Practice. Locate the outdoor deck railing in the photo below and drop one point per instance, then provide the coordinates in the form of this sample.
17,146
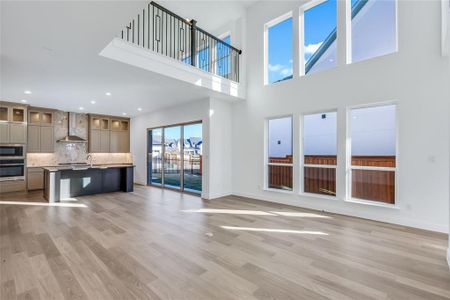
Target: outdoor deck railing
166,33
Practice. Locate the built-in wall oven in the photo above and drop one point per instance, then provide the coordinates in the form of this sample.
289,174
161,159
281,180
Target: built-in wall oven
12,151
12,162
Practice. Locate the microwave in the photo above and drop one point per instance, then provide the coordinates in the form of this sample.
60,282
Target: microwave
12,151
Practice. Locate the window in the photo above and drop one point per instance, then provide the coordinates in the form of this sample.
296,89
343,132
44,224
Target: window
223,58
373,153
320,153
278,49
373,28
318,28
280,162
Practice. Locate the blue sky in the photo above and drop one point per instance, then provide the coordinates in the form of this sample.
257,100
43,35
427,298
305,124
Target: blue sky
280,50
320,21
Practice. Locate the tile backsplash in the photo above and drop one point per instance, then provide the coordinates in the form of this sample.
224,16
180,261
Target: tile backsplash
73,152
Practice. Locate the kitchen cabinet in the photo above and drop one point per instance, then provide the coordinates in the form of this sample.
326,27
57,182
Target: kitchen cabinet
108,134
41,137
35,179
13,123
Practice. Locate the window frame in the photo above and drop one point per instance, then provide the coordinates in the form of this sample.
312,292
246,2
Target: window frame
266,155
350,167
301,34
302,155
267,26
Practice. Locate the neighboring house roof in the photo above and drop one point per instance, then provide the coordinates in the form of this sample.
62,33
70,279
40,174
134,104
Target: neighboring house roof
331,38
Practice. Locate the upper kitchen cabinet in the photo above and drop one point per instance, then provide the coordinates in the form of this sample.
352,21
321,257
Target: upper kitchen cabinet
41,117
41,136
13,123
108,134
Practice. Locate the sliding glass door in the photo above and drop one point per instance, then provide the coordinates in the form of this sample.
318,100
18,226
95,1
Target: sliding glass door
172,157
175,157
155,158
192,169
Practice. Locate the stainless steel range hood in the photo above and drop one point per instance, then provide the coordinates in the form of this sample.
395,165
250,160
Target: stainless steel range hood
71,138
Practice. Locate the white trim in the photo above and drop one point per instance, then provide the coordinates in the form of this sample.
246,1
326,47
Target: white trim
266,162
320,166
349,167
370,168
279,164
371,213
372,203
302,156
269,24
320,196
267,189
445,24
301,32
448,256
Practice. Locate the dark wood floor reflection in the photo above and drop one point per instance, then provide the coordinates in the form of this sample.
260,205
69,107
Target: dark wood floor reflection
159,244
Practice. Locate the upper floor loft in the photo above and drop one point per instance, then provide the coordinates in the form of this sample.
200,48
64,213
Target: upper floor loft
161,41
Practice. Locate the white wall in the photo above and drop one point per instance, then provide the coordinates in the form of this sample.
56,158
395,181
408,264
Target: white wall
416,77
220,142
216,119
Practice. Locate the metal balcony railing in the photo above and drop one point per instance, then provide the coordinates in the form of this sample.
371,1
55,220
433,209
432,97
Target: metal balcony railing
166,33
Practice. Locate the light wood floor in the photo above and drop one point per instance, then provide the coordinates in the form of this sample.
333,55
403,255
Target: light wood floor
156,244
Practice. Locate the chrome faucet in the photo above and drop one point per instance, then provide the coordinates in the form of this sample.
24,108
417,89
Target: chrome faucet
89,159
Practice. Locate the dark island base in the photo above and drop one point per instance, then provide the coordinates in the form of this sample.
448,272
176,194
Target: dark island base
63,184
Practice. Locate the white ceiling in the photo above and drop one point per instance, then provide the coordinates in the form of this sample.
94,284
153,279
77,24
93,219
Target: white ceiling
51,49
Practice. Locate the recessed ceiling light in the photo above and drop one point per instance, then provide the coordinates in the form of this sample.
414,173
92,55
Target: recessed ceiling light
139,109
108,94
24,101
81,108
124,114
93,102
27,92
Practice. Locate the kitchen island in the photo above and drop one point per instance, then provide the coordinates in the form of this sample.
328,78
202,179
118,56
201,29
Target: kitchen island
64,182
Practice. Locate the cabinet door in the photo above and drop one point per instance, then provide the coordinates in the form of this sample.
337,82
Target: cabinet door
34,138
125,142
104,141
94,141
114,142
17,133
47,139
4,133
35,179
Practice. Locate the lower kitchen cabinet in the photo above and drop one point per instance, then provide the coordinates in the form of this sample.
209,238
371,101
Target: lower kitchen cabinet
35,179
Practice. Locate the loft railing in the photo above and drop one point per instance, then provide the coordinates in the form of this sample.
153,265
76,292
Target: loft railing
166,33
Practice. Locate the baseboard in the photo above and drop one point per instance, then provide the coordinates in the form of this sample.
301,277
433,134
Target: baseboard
448,254
353,213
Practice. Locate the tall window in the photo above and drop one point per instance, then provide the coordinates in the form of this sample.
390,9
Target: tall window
374,28
373,153
223,58
280,162
320,153
278,62
319,36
